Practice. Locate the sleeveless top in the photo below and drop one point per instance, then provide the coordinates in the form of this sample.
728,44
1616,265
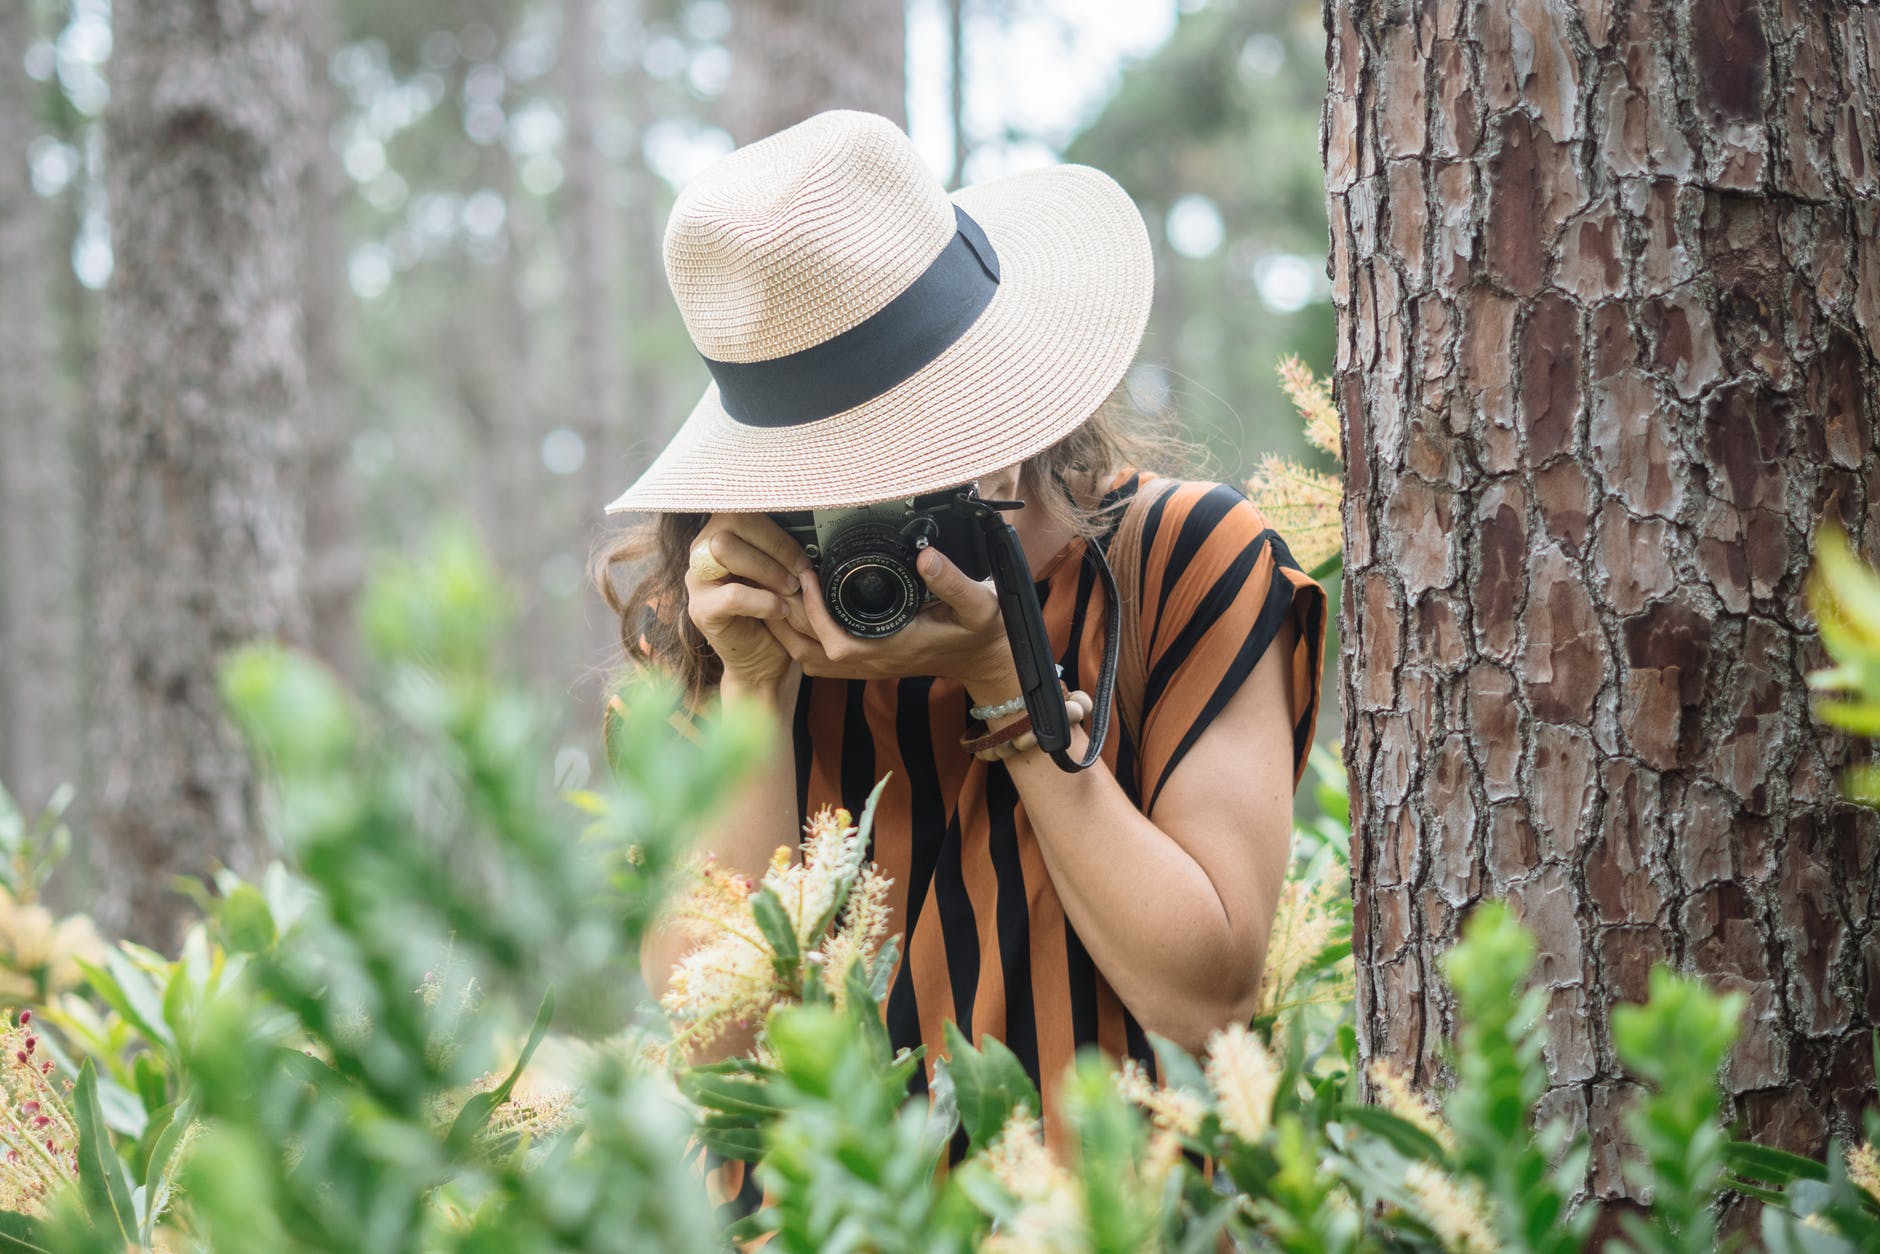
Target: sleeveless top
985,941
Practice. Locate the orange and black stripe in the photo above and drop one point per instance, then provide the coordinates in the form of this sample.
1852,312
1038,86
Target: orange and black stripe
985,939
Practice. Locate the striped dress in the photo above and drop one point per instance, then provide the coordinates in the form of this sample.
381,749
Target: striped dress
985,941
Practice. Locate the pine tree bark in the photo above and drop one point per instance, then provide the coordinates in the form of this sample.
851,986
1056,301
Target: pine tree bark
39,515
1608,291
199,529
792,58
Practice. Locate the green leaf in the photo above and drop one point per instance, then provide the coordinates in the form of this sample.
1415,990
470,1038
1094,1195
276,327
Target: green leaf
157,1176
1774,1166
866,1013
247,923
988,1083
774,923
20,1233
729,1139
1405,1137
724,1093
126,989
1737,1185
101,1182
476,1112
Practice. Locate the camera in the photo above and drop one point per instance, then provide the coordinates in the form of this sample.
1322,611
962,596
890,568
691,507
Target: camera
864,554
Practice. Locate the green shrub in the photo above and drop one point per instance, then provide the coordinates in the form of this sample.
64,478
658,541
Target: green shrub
362,1052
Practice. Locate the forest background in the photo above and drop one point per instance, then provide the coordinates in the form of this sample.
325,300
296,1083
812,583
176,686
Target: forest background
480,323
284,282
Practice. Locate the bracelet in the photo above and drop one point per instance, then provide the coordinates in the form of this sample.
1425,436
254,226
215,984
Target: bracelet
986,713
1018,736
977,745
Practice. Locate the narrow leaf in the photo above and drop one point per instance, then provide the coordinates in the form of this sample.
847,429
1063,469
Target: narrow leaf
157,1174
19,1234
1763,1162
101,1183
774,922
476,1112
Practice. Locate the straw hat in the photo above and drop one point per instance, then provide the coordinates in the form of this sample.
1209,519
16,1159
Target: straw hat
870,337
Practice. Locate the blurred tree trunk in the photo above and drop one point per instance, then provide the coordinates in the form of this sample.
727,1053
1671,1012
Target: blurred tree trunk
335,559
199,533
591,254
792,58
956,88
651,414
39,517
1608,284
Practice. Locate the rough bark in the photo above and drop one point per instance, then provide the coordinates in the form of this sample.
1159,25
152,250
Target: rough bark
39,518
199,530
1608,290
792,58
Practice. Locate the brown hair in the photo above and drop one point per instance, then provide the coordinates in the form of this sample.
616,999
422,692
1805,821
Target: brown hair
1065,480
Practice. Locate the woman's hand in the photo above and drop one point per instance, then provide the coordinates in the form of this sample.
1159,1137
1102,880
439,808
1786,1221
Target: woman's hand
763,587
958,636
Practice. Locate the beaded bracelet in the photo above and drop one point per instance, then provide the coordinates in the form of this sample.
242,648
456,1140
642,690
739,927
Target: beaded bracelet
986,713
1018,736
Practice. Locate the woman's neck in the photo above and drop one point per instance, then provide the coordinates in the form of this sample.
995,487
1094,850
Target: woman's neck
1042,536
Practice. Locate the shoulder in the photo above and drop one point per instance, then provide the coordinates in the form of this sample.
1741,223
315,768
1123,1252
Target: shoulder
1195,525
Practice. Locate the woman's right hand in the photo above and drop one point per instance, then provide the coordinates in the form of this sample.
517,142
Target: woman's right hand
764,563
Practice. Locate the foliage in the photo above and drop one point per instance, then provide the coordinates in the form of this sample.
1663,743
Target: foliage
1305,504
359,1050
1844,595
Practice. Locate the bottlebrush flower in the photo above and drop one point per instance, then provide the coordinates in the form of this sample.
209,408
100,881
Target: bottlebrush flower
733,976
1245,1080
1863,1168
1171,1109
39,954
38,1137
1456,1210
1304,923
1397,1097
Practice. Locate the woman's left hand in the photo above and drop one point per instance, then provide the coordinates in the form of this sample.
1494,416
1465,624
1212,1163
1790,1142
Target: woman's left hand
960,635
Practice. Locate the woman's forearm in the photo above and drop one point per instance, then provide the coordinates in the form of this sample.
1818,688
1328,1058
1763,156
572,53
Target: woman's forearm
752,824
1152,920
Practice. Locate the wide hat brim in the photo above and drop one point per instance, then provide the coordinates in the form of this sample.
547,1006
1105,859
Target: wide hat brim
1076,280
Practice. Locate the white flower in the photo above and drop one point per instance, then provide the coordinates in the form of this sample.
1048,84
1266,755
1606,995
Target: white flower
1245,1080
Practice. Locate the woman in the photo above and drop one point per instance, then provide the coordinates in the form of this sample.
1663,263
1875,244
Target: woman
870,339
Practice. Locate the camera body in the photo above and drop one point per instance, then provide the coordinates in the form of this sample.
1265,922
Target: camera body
864,555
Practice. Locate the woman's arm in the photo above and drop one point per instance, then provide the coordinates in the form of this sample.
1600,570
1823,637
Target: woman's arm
758,581
1175,908
759,818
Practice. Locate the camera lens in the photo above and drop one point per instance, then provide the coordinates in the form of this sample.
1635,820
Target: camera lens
870,593
871,587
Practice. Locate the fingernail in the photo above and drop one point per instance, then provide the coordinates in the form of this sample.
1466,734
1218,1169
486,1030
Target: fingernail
790,584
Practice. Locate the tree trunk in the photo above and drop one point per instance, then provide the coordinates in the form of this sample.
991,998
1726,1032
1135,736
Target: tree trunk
39,610
792,58
956,89
1608,290
336,559
591,255
199,533
653,409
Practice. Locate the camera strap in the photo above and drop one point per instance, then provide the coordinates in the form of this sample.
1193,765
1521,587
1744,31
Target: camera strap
1031,647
